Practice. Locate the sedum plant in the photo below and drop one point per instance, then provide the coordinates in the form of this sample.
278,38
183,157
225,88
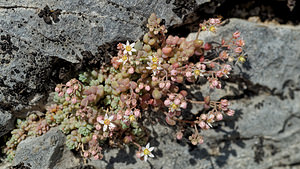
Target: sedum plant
106,107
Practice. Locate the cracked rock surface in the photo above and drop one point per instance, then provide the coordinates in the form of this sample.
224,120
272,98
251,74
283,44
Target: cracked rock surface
40,45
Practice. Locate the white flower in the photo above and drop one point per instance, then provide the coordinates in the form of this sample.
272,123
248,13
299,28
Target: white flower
130,117
107,122
198,72
154,66
174,107
124,59
153,59
129,48
146,151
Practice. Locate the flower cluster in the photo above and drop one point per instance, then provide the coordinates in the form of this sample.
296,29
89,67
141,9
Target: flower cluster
106,106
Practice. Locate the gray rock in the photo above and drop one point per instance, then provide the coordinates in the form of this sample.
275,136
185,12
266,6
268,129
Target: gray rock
41,152
273,53
42,40
6,122
264,133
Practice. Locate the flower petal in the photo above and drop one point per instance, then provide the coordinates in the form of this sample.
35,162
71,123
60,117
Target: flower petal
148,68
106,116
101,121
111,118
112,125
105,127
132,45
145,158
127,43
147,146
129,52
151,155
142,154
151,148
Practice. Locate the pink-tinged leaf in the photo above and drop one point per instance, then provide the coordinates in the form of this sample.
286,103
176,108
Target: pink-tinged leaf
170,121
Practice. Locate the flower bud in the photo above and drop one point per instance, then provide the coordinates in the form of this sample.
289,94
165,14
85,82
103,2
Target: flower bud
207,46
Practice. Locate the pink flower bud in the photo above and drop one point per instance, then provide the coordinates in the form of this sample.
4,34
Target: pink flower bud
179,135
131,70
200,140
240,42
76,87
168,85
202,124
60,94
141,85
133,102
137,112
128,102
230,112
177,101
207,46
99,118
68,84
238,50
127,112
173,72
236,34
95,137
119,116
57,89
175,65
214,82
69,90
183,105
147,88
138,154
166,50
167,102
86,154
137,90
188,74
219,116
212,21
219,74
224,102
74,100
223,55
98,126
96,157
171,96
161,85
154,78
68,98
203,116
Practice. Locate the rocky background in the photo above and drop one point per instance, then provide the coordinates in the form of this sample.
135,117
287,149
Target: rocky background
46,42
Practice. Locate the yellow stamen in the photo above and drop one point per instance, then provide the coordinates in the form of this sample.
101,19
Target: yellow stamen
131,118
154,59
197,72
146,152
106,122
174,106
124,58
128,48
212,29
154,66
